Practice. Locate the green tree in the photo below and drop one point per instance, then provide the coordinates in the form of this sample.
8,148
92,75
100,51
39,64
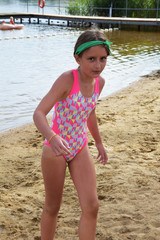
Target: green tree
79,7
139,8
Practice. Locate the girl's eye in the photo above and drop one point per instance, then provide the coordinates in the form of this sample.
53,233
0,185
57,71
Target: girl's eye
91,58
103,58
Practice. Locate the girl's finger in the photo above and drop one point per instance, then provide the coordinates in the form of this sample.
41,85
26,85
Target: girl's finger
65,149
56,152
98,156
65,143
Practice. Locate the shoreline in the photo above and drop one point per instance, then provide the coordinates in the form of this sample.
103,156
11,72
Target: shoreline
128,186
101,99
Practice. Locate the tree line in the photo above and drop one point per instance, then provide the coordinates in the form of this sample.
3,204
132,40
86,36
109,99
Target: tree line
115,8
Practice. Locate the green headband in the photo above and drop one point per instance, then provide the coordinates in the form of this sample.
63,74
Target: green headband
86,45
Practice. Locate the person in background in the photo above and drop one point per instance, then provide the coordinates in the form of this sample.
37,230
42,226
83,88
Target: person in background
11,20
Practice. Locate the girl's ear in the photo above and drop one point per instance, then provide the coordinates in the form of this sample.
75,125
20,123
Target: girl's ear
77,58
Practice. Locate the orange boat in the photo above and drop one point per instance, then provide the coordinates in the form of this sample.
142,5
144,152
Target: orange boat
7,26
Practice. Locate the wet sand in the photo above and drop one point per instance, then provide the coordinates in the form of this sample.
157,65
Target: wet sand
128,186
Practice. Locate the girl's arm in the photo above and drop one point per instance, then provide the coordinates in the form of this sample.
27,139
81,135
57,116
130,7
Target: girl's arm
58,92
93,128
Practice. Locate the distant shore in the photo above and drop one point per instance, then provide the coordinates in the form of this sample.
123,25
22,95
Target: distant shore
128,186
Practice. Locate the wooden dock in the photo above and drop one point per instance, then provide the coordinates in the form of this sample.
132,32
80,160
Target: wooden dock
119,21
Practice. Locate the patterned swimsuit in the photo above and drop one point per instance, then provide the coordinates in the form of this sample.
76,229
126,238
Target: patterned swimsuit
70,117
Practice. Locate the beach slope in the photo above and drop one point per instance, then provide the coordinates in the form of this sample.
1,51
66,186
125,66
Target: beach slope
128,186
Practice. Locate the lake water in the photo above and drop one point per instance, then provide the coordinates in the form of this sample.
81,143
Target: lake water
31,59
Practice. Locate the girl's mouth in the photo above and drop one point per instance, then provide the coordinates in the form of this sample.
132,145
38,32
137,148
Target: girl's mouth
96,72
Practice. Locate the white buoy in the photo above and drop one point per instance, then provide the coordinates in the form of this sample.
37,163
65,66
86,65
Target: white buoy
42,35
53,34
35,36
48,35
21,37
28,37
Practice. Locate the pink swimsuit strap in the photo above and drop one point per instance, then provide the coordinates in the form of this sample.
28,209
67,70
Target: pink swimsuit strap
76,89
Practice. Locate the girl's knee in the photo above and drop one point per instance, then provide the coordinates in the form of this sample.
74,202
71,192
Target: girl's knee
51,210
94,207
91,208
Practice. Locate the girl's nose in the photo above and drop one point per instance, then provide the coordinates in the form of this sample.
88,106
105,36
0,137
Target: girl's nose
97,64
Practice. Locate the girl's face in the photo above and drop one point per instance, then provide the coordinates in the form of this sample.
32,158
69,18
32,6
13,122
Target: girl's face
93,61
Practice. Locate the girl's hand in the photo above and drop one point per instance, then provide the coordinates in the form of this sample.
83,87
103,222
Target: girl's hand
59,146
102,155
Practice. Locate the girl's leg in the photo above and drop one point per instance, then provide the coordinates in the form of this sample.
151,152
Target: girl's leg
84,177
53,169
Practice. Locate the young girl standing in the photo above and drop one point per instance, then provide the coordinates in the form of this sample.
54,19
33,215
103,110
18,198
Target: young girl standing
74,96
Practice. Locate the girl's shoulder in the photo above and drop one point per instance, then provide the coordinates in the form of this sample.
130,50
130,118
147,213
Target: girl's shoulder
101,83
66,78
64,84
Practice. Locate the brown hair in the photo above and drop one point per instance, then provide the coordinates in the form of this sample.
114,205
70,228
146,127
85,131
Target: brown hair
91,35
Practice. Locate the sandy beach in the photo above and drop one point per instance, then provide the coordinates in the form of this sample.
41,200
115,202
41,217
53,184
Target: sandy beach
128,186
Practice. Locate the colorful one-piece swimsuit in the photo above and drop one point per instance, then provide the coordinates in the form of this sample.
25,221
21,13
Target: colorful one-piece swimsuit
70,117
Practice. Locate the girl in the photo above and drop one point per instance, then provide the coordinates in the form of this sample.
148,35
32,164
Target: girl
74,96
